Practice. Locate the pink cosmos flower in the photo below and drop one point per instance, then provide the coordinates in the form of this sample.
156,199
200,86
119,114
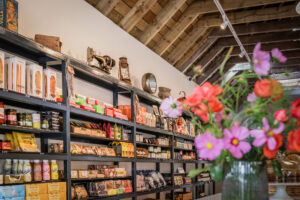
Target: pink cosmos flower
235,141
171,107
251,97
261,60
266,135
276,53
280,115
208,147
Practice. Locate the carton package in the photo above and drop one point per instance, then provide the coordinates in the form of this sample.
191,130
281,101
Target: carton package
2,69
9,14
16,69
56,187
12,192
38,197
50,84
34,77
36,189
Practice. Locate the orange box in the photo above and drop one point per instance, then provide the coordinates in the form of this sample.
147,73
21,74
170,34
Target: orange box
36,189
57,187
58,196
37,197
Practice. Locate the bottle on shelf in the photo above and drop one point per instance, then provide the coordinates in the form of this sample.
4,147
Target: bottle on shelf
27,171
20,167
37,171
7,167
15,167
46,170
54,170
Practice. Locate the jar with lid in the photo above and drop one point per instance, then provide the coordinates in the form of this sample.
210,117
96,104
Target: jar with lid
36,120
28,121
11,117
2,115
21,117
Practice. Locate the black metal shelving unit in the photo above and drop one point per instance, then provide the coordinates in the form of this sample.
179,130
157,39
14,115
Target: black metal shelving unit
26,48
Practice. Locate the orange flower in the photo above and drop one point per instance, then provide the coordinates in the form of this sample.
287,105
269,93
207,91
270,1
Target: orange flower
272,153
294,140
215,106
268,88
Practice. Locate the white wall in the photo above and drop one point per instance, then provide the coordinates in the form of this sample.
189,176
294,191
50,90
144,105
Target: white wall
79,26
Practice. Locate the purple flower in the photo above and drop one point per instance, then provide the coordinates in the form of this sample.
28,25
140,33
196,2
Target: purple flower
251,97
261,60
235,141
266,135
233,82
208,147
276,53
171,107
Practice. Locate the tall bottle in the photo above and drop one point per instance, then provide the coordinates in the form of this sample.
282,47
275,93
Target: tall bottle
46,170
15,167
37,171
54,170
20,167
27,171
7,167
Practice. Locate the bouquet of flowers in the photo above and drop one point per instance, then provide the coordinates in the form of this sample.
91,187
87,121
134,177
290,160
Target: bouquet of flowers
247,118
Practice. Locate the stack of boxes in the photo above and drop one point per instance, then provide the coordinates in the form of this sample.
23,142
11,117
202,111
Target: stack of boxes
46,191
14,192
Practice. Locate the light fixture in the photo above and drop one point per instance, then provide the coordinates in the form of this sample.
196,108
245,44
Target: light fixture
241,55
296,29
298,8
224,25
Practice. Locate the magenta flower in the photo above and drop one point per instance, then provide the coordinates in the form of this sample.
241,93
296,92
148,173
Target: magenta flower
208,146
251,97
276,53
171,107
261,60
235,141
266,135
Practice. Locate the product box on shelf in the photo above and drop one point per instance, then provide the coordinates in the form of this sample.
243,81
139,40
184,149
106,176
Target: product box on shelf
2,70
16,69
9,14
9,179
34,84
12,192
36,189
56,187
50,84
57,196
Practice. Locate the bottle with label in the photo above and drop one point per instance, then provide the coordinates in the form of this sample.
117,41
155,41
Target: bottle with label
7,167
117,132
2,115
37,171
36,120
15,167
46,170
20,167
54,170
27,171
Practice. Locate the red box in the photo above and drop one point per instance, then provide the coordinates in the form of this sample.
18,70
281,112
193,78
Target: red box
88,108
109,111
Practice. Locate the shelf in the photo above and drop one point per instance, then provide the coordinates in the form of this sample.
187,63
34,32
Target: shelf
79,137
158,190
114,197
100,179
79,113
33,156
100,159
153,160
37,132
152,130
154,145
185,161
34,182
14,98
182,149
186,137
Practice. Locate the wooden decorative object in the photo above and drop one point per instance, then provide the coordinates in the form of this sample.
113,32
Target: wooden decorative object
149,83
51,42
124,70
106,63
164,92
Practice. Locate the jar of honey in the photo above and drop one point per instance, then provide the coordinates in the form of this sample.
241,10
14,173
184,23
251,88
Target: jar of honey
11,117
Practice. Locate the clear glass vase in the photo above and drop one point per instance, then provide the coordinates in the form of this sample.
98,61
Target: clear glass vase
244,180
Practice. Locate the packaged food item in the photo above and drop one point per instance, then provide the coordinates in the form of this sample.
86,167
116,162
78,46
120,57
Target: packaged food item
37,171
5,145
2,70
27,171
46,170
16,69
28,120
11,116
9,14
34,84
2,113
36,120
118,135
54,170
82,173
74,174
7,167
50,84
80,192
26,142
15,167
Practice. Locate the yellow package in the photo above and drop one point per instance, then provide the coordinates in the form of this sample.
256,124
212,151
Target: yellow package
112,192
9,136
37,197
36,189
17,145
26,142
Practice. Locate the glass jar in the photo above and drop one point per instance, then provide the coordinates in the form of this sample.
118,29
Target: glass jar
28,121
11,117
36,120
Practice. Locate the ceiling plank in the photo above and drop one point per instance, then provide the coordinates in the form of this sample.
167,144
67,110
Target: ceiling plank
136,14
260,27
161,19
106,6
283,69
208,6
236,17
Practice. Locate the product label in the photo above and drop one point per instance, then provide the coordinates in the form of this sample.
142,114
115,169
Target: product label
35,118
2,113
11,117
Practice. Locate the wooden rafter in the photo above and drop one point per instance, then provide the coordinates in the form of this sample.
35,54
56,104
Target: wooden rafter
106,6
161,19
136,14
235,17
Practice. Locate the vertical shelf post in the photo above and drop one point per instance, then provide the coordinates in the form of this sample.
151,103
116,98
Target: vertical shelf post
133,135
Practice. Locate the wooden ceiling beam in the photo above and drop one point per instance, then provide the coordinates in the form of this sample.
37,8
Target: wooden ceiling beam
106,6
161,19
283,69
260,27
136,14
236,17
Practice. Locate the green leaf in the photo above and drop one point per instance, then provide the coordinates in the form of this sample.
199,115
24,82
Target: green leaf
196,172
277,168
216,173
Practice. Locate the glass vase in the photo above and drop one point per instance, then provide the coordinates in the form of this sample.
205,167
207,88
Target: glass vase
244,180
